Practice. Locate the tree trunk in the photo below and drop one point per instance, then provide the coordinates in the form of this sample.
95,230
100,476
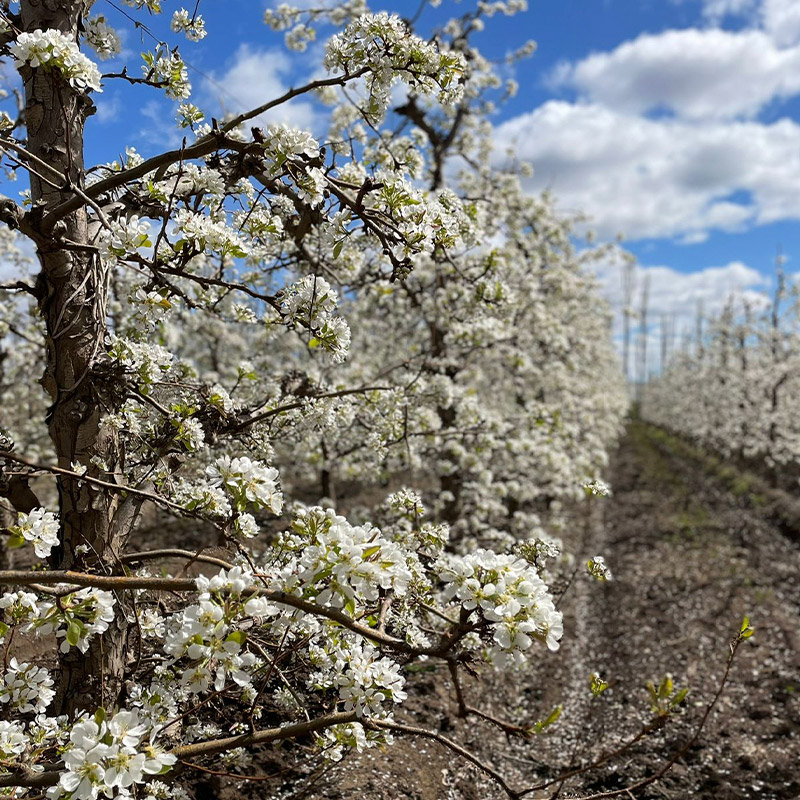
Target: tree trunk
94,522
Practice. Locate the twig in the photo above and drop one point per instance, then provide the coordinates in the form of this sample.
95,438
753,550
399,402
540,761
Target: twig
116,487
203,147
149,555
398,727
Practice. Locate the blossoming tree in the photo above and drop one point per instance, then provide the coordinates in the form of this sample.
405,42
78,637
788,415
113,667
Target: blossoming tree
190,323
735,389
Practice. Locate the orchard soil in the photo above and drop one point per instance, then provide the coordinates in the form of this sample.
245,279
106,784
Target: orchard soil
694,547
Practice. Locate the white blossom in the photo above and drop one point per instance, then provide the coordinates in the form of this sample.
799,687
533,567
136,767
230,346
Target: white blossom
102,38
51,49
26,687
193,26
40,528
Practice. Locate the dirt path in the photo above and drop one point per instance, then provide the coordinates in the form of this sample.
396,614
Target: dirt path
691,555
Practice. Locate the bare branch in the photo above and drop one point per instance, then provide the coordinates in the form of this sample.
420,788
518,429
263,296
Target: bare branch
151,555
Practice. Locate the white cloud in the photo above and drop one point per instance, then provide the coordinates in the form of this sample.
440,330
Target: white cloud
108,108
781,18
695,74
652,178
703,161
673,292
257,76
717,10
676,296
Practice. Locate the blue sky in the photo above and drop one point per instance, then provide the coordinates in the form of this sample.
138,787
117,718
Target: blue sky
675,123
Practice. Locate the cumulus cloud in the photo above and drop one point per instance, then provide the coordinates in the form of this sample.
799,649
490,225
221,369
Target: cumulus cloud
781,18
653,178
257,76
692,73
664,138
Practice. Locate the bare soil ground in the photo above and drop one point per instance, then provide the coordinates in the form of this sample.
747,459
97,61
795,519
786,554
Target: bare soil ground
693,547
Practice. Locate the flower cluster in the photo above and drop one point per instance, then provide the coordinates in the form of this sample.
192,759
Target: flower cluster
538,551
166,68
189,432
598,569
283,143
363,680
247,482
107,756
13,740
26,687
76,618
148,362
508,593
53,50
101,37
123,236
210,501
597,488
193,26
339,564
312,302
204,633
383,45
203,233
39,527
335,741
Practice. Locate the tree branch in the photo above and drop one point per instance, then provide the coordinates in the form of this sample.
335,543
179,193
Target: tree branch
20,577
115,487
214,746
203,147
150,555
28,778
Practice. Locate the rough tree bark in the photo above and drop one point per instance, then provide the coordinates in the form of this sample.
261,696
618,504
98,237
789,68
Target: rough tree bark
73,295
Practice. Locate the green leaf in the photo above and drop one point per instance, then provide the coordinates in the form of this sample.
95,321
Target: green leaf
14,541
680,694
337,248
74,632
597,684
240,637
538,727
